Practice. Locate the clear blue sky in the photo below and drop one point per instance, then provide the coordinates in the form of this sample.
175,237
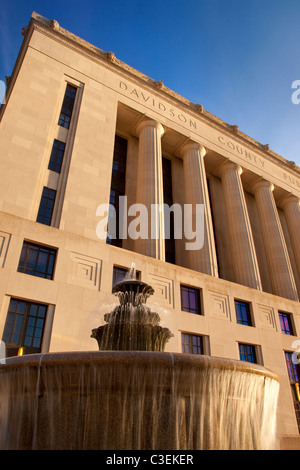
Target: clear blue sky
236,58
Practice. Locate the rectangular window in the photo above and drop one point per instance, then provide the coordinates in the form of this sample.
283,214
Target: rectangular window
117,189
243,313
120,273
46,206
56,156
24,327
190,299
168,199
286,323
247,352
37,260
67,107
294,376
191,344
292,367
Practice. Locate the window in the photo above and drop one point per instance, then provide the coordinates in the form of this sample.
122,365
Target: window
46,206
67,107
190,299
247,352
117,185
168,199
120,273
24,326
293,368
294,376
243,314
191,344
37,260
286,323
56,156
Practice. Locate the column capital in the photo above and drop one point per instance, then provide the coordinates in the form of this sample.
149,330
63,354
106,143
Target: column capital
150,123
262,183
230,165
192,145
290,198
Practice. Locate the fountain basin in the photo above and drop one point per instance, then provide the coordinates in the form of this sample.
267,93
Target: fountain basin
128,400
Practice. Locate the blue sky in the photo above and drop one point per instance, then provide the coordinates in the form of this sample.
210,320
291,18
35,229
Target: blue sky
236,58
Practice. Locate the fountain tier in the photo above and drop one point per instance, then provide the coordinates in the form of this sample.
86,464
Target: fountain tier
135,401
132,326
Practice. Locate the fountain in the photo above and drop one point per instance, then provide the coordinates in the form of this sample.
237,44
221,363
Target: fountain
131,395
132,326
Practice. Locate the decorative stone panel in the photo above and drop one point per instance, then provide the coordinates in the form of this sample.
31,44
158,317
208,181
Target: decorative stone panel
163,289
4,244
267,316
85,271
220,305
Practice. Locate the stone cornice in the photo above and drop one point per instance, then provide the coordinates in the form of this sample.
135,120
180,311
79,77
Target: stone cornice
53,29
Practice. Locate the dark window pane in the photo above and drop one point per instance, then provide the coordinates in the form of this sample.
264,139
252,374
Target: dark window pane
185,299
120,273
243,314
46,206
33,309
24,329
42,262
37,260
190,299
118,179
56,157
286,323
67,107
247,353
293,368
168,199
191,344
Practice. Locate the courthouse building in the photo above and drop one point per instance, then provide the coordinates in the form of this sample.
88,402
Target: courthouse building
80,129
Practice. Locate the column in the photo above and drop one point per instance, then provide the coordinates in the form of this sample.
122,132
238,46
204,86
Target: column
196,192
150,188
291,209
280,269
242,247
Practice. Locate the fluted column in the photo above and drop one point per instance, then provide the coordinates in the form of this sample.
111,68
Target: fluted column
280,269
291,209
242,247
196,192
150,187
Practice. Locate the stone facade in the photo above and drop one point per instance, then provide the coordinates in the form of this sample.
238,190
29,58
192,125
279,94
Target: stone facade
250,196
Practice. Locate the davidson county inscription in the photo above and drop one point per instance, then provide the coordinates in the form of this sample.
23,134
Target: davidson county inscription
238,149
183,119
259,162
155,103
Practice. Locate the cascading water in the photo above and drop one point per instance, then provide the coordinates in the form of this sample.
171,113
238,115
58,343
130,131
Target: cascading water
132,395
132,326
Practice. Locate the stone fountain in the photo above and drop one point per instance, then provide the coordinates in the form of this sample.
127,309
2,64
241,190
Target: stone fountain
131,395
132,326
